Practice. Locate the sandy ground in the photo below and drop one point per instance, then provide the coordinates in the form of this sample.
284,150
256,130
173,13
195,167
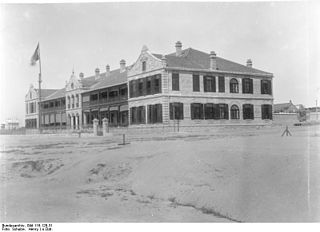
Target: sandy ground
221,175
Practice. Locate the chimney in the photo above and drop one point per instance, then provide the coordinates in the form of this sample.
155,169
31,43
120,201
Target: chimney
249,63
81,75
107,70
178,48
213,60
122,65
97,72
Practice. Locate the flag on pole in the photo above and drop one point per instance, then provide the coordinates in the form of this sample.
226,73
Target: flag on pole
36,56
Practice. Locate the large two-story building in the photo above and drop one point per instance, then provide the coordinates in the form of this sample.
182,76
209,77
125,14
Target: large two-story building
186,88
193,88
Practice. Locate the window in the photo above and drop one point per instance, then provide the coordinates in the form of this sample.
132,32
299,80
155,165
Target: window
175,82
57,104
266,111
137,115
157,84
131,89
247,85
176,111
149,85
223,111
72,85
209,84
133,113
141,114
221,84
234,86
104,96
123,92
140,87
93,97
235,112
196,111
248,111
196,83
266,87
154,113
26,108
209,111
144,66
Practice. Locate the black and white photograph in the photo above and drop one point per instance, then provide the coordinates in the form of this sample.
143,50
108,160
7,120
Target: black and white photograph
159,111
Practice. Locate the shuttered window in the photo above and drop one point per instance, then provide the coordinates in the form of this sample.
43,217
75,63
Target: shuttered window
266,111
154,113
247,85
176,111
209,84
196,111
208,111
175,82
266,87
248,111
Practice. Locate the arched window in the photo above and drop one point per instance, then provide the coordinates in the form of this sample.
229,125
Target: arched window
234,86
77,100
235,112
72,101
68,101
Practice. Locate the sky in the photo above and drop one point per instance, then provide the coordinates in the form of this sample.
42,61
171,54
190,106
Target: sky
279,37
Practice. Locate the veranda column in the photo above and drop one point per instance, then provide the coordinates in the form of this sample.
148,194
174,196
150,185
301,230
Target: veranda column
77,122
71,120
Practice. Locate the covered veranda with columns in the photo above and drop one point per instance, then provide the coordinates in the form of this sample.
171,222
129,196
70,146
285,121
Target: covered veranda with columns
74,121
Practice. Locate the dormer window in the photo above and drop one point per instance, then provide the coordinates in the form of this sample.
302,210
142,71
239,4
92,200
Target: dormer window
144,66
72,86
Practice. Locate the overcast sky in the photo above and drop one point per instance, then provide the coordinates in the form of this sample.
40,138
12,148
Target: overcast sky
281,38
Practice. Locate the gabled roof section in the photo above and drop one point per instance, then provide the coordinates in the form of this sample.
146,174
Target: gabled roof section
89,81
114,78
194,59
57,94
46,92
281,107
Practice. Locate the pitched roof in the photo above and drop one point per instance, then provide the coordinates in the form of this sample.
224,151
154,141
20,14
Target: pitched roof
195,59
46,92
281,107
57,94
114,78
89,81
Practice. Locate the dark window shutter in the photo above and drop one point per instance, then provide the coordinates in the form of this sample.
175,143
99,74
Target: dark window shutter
213,84
196,83
251,85
221,84
152,84
171,111
181,111
201,111
192,111
149,120
159,113
243,85
175,81
270,87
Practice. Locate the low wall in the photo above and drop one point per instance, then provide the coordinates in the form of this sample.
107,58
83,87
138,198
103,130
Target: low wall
285,119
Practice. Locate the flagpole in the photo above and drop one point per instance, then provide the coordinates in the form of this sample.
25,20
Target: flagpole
39,90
